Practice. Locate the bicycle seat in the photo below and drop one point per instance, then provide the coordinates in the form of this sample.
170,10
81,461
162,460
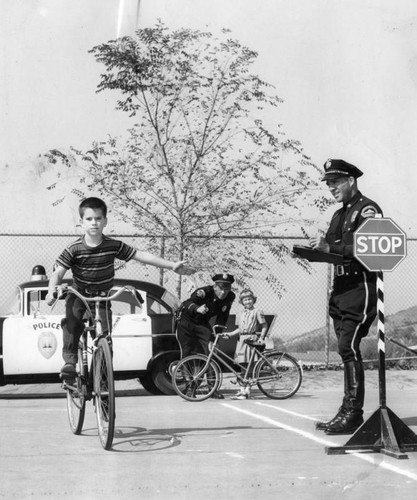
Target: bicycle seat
256,344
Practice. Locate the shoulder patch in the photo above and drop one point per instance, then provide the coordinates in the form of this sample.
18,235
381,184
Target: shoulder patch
200,293
368,211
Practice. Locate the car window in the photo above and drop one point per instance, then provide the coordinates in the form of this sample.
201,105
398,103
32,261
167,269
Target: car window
155,307
126,304
170,299
36,305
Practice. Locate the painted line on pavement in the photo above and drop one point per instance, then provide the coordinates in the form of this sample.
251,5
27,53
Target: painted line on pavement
301,415
325,442
235,455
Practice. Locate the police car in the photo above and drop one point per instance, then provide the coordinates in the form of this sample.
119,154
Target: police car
143,338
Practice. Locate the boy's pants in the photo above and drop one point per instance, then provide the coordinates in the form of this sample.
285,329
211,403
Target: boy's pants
73,325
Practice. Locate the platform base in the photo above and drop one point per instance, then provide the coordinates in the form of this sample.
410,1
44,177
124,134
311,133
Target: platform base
383,432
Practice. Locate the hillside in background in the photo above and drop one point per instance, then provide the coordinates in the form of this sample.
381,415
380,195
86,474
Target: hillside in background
401,327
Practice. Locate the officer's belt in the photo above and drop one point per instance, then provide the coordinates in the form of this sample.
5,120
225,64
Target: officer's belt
350,269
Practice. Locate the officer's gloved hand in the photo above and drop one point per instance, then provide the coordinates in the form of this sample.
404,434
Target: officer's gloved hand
202,309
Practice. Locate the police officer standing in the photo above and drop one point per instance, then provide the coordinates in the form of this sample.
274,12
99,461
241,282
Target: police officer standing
193,327
353,300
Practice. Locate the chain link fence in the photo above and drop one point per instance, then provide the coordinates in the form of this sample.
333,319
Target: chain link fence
296,297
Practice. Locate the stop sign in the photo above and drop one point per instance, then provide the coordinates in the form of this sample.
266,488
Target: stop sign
379,244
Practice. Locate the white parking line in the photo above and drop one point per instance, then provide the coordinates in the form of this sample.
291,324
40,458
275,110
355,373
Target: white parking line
300,415
367,458
235,455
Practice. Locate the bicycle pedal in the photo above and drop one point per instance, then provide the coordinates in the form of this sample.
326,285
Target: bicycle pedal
69,385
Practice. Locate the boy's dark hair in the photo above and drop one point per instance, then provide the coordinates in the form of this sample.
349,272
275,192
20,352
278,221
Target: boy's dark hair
94,203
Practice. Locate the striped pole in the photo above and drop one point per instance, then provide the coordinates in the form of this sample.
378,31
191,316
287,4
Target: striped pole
381,339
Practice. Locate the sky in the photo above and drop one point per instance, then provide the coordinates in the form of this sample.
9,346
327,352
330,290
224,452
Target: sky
347,71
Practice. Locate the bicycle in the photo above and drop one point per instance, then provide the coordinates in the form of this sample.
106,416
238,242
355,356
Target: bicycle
197,377
96,381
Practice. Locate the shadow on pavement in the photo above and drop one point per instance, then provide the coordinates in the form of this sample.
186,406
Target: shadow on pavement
140,440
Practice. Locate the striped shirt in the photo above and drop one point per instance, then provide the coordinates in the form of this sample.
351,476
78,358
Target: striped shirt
93,267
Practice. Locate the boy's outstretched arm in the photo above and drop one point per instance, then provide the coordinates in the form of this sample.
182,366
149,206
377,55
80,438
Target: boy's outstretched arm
180,267
55,280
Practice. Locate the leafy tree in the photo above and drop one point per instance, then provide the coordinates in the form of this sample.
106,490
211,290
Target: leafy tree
199,162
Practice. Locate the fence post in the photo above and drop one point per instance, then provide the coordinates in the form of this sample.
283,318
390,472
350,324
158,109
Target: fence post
328,326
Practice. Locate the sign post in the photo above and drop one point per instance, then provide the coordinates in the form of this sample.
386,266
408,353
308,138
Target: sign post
380,245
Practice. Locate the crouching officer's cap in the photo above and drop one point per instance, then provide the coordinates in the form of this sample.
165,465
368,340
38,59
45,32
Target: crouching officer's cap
223,278
340,168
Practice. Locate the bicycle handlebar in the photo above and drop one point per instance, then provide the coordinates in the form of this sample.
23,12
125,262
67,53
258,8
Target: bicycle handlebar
223,327
62,289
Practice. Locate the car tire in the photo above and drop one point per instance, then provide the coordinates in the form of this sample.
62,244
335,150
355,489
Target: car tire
161,376
149,385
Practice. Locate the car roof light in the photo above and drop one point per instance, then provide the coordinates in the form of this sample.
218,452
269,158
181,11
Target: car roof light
38,274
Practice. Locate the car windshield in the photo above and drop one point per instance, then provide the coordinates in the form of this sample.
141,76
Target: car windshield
13,305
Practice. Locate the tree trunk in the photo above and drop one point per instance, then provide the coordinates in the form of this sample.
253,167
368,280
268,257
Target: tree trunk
162,255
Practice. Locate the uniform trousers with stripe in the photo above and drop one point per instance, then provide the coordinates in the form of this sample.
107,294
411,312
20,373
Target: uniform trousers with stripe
193,338
353,308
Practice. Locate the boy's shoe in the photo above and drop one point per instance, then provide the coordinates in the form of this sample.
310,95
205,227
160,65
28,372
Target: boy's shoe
68,373
240,395
217,395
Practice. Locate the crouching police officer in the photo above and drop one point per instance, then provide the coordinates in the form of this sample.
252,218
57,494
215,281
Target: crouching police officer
193,328
353,301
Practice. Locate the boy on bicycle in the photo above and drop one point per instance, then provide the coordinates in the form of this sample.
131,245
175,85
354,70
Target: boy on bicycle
91,260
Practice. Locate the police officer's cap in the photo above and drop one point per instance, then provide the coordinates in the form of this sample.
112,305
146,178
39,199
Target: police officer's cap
340,168
223,278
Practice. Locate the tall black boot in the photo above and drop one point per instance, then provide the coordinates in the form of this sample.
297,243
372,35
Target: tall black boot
323,426
352,418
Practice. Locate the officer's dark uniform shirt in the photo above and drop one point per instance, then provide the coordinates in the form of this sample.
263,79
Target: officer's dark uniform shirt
346,221
216,307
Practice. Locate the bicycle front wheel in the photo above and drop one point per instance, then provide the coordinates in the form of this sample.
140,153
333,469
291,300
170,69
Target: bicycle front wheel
76,407
76,402
278,375
104,394
194,379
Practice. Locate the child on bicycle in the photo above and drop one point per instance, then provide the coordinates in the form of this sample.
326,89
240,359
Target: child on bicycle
251,322
91,259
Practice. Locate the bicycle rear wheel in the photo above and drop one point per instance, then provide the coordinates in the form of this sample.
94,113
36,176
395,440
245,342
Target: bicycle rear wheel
278,375
195,380
104,394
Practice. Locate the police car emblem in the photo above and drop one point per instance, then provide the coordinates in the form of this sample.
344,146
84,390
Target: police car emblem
47,344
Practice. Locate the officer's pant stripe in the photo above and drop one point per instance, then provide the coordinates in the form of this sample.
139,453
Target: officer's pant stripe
365,316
